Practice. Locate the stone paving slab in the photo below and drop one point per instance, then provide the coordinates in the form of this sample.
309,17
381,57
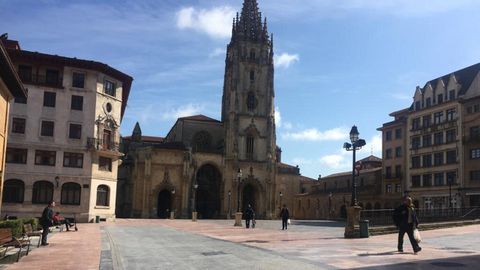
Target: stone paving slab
326,246
67,250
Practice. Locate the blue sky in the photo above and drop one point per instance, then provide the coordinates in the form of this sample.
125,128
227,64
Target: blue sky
339,62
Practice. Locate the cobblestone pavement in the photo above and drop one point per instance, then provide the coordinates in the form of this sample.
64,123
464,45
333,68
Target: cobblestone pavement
182,244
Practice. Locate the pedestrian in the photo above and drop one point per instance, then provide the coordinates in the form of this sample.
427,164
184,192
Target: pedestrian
284,215
406,220
46,221
249,214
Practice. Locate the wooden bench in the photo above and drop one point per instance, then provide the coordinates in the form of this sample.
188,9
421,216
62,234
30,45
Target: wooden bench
8,240
29,232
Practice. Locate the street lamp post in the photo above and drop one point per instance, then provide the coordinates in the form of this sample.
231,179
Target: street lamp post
450,182
229,204
238,214
353,212
172,213
194,212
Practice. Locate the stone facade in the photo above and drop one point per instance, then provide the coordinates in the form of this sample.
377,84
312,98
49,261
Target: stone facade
442,152
64,137
10,87
198,164
331,196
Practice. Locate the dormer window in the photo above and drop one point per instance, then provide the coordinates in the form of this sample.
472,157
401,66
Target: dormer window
429,102
417,106
451,95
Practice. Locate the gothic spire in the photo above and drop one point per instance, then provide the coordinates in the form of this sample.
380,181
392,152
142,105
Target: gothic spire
249,25
137,133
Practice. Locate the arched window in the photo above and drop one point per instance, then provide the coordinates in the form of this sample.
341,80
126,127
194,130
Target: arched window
42,192
252,75
250,146
103,195
13,191
252,55
202,141
71,193
251,101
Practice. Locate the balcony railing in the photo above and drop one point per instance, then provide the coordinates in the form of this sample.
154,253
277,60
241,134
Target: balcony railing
52,81
102,145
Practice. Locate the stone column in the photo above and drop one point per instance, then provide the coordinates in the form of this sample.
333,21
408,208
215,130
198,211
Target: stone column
352,228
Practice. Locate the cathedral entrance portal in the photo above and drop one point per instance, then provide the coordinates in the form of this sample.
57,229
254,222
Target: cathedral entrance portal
164,203
208,192
248,197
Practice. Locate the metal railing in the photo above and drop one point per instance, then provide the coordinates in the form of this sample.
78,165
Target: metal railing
51,81
383,217
102,145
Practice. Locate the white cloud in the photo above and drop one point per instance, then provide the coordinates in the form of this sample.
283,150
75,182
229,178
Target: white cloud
183,111
334,162
215,22
217,52
314,134
284,60
278,117
287,125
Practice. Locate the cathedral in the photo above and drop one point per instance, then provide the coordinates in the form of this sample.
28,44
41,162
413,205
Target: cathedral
212,167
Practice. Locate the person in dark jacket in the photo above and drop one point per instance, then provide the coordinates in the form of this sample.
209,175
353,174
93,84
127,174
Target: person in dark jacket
406,220
249,214
46,221
285,215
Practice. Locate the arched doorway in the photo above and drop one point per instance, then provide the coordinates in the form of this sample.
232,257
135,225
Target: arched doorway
164,203
249,197
208,192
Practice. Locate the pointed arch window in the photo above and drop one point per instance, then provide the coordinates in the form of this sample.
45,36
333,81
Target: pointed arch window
252,55
251,101
250,146
202,141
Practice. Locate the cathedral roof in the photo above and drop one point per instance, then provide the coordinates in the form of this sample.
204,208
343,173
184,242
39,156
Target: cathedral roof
199,117
371,158
147,139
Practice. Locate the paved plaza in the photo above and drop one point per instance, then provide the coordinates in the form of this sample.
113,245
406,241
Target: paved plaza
217,244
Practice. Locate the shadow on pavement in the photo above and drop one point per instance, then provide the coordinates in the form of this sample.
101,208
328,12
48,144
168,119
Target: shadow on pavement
464,262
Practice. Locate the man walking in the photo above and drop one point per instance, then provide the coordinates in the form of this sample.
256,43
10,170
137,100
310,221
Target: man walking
285,215
46,221
248,215
405,219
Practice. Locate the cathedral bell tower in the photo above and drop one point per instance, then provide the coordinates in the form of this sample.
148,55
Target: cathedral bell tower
248,110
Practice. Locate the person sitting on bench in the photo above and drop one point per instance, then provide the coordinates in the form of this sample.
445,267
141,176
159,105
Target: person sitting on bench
59,220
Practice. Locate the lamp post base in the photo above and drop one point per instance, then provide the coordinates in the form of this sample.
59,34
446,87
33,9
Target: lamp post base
238,219
194,216
172,215
352,228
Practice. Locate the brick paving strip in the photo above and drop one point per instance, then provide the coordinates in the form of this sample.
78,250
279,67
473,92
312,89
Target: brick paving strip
67,250
326,246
